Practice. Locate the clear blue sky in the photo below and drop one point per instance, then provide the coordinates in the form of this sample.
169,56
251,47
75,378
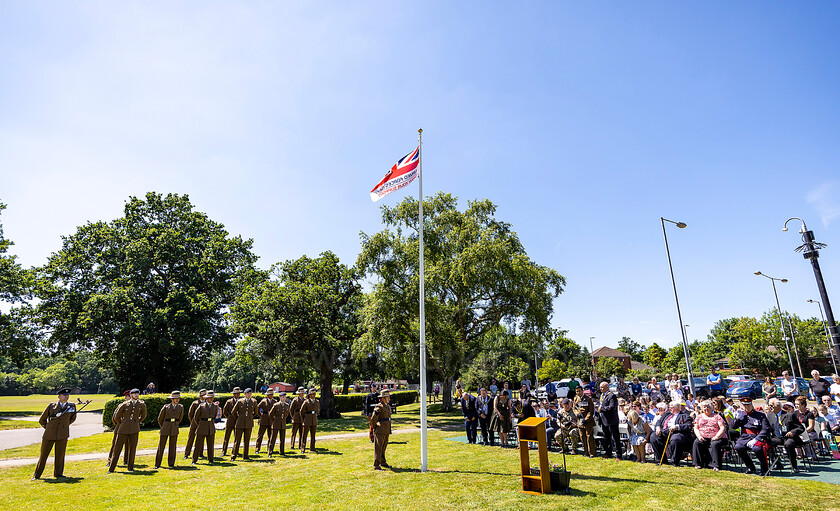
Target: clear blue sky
584,123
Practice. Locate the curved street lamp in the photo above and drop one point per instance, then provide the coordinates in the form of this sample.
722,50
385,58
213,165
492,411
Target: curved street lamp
827,335
781,321
689,376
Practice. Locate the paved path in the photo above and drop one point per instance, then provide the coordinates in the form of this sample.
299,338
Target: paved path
18,462
87,423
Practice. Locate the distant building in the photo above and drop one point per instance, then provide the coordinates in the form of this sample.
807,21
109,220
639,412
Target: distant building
623,358
282,387
638,366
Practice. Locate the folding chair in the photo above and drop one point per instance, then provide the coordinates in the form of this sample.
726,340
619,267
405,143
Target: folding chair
624,436
808,445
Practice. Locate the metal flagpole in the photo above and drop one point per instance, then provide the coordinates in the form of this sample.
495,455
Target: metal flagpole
424,455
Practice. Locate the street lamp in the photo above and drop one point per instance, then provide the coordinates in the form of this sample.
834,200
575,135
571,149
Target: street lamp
781,321
689,376
809,251
827,336
592,354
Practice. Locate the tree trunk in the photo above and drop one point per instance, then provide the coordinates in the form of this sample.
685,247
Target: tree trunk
446,390
346,387
327,396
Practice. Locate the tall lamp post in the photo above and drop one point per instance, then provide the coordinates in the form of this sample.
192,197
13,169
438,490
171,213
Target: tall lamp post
827,336
681,225
809,251
592,354
795,347
781,321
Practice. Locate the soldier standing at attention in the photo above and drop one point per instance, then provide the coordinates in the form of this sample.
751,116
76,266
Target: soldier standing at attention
127,395
129,415
169,419
243,415
380,429
278,415
229,404
294,410
56,421
205,417
193,425
264,409
309,415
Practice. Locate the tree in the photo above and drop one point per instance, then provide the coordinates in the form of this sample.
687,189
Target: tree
674,361
552,370
609,366
16,338
307,315
146,292
478,276
654,356
632,348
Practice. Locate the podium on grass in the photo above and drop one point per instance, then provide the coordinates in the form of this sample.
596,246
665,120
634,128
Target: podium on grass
532,429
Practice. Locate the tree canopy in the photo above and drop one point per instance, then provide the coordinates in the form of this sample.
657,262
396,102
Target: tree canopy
15,287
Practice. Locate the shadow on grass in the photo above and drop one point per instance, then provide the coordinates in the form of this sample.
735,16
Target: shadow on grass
577,477
140,472
64,480
184,467
321,450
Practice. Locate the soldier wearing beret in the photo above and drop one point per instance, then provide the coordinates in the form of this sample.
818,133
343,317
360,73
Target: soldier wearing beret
56,421
309,416
205,418
226,410
294,411
169,419
128,416
127,395
278,415
264,409
243,415
380,429
193,424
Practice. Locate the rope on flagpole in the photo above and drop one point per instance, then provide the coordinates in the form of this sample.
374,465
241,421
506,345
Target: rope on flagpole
424,457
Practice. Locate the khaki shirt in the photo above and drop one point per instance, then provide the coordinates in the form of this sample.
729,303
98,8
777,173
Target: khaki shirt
294,409
129,416
244,413
56,421
205,416
309,412
278,415
229,404
169,419
265,409
380,419
117,426
193,408
584,408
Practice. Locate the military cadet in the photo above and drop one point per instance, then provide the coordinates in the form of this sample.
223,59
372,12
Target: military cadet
309,416
127,395
243,415
294,411
129,416
193,426
264,409
169,419
56,421
278,415
229,404
380,429
205,418
755,436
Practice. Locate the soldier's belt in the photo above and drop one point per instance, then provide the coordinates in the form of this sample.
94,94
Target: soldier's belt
313,413
172,420
385,420
208,420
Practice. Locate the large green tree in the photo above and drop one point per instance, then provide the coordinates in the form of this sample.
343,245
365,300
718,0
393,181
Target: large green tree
146,292
654,356
307,315
632,348
16,338
478,276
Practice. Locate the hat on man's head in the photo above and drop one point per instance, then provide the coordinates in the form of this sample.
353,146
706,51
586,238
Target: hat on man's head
175,394
746,400
248,390
281,394
236,390
313,390
301,390
64,391
202,392
384,393
210,393
269,391
127,392
135,391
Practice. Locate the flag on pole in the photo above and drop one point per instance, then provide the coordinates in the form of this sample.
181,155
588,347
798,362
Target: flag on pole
401,174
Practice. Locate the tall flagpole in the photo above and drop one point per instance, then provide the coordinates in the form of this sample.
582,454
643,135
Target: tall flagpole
424,456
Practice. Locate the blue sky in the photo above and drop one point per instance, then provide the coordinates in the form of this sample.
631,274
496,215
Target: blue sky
583,122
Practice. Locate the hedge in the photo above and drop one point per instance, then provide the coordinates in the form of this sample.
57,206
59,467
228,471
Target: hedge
154,402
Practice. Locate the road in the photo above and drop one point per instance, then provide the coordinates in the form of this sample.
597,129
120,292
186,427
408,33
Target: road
87,423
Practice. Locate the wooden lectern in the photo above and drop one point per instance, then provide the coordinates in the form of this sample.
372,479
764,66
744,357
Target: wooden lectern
532,429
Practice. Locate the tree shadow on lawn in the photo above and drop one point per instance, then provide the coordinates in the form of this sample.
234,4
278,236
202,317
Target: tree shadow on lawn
64,480
577,476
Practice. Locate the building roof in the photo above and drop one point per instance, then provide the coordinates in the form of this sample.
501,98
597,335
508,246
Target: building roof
608,352
638,366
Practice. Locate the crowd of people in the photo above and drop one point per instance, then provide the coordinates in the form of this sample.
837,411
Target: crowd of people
640,420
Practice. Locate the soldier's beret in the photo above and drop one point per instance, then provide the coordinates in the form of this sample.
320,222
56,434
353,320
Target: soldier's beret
135,391
281,393
301,390
248,390
175,393
202,392
236,390
127,392
269,391
64,390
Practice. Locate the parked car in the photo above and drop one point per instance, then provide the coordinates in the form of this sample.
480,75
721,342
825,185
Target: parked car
745,388
561,388
701,387
732,378
804,389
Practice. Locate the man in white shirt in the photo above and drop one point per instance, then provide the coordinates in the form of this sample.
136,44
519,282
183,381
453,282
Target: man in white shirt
790,388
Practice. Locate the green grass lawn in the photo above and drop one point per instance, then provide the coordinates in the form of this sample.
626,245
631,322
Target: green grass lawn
462,476
17,424
34,404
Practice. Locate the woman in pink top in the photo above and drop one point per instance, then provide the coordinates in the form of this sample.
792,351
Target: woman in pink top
710,430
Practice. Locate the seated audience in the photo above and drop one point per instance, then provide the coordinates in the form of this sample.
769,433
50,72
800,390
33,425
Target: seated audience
710,437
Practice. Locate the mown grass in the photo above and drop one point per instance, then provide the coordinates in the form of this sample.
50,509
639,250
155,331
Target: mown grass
17,424
34,404
340,476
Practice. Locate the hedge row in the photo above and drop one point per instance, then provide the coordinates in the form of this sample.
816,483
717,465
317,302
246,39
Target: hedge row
154,402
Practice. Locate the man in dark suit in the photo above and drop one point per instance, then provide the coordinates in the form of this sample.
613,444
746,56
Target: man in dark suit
470,411
787,429
608,412
676,423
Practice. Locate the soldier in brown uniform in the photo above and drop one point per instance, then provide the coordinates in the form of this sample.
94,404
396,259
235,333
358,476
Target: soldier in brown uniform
584,408
169,419
56,421
278,415
129,416
205,417
127,395
264,409
193,426
294,411
229,404
380,430
243,415
309,416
